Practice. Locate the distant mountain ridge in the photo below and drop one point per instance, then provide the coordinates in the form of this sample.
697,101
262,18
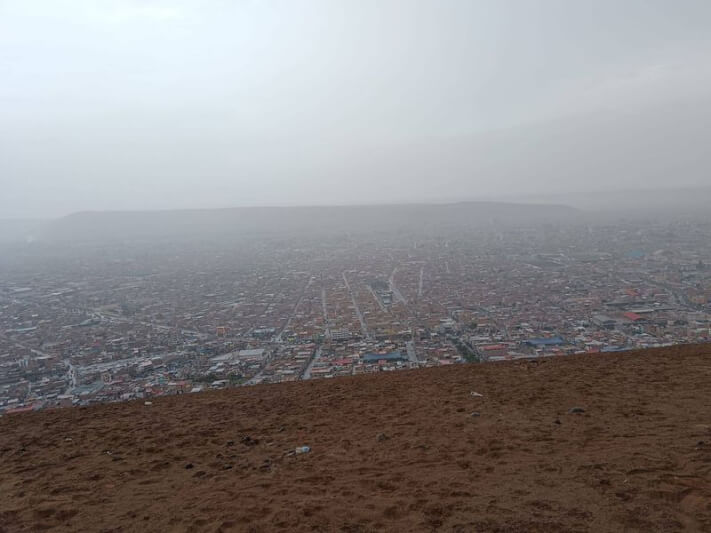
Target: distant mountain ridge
630,201
194,223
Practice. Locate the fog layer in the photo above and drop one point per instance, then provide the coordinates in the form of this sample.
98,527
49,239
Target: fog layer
144,105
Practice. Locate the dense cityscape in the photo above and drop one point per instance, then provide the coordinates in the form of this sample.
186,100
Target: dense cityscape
89,324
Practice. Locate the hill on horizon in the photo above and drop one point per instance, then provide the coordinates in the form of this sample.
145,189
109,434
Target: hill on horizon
605,442
189,223
687,200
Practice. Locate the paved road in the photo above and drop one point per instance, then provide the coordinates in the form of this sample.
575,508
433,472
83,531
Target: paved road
325,311
124,320
293,313
377,300
310,366
363,325
71,373
411,353
323,304
259,374
394,289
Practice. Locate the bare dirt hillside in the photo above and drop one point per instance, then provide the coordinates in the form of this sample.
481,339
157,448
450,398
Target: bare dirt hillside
407,451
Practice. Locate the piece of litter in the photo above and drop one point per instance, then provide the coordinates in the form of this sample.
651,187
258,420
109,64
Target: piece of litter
476,394
147,403
576,410
297,451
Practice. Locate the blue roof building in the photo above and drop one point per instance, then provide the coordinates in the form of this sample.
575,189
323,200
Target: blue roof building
545,341
390,357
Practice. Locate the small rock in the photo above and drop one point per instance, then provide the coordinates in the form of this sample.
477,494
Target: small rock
380,437
700,443
230,443
188,466
249,441
556,421
475,414
576,410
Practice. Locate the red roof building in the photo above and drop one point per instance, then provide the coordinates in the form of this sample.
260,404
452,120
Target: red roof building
634,317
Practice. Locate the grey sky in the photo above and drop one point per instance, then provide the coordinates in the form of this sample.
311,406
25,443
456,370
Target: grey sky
151,104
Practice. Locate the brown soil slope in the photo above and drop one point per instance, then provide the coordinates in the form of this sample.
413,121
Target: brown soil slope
395,452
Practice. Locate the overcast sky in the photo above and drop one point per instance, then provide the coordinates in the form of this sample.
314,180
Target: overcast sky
158,104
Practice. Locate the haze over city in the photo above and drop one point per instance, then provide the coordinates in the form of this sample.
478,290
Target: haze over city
355,265
124,105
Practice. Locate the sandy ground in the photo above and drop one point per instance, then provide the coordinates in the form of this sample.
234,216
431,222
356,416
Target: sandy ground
394,452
